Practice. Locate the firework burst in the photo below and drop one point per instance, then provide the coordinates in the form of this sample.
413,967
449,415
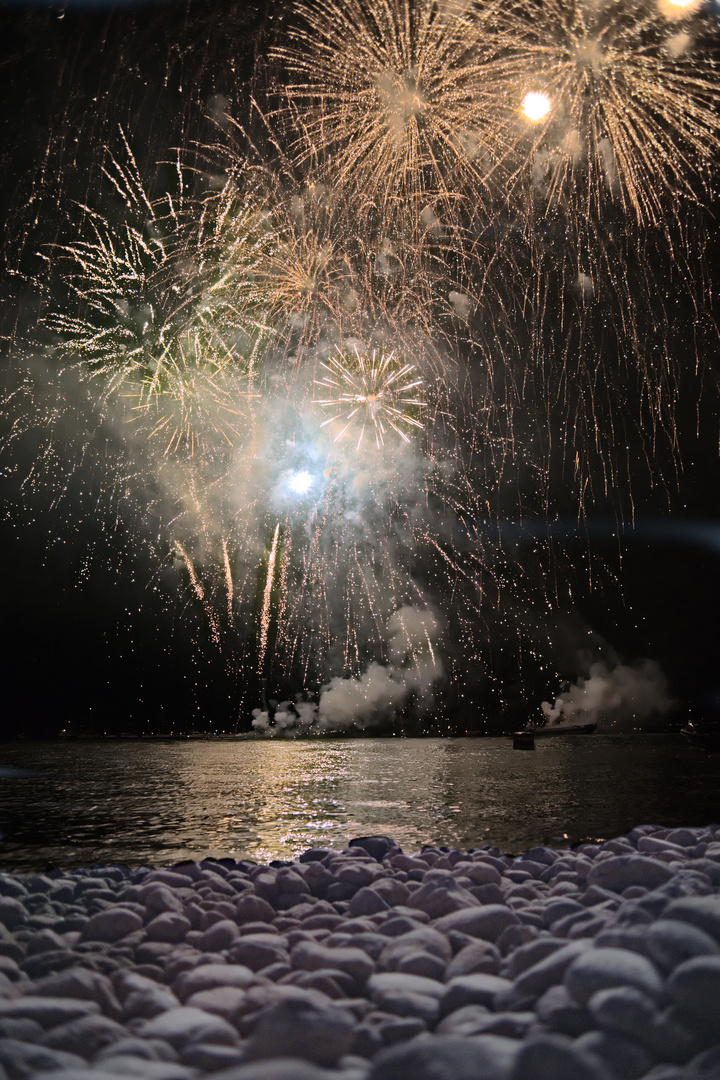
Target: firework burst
375,390
618,101
398,101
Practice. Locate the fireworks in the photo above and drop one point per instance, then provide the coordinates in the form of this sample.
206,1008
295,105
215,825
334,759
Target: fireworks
373,391
400,101
340,371
629,101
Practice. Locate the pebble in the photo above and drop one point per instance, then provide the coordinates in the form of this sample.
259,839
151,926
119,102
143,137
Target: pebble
598,969
694,987
296,1028
448,1057
600,963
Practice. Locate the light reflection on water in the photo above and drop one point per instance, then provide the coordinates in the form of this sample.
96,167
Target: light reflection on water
157,802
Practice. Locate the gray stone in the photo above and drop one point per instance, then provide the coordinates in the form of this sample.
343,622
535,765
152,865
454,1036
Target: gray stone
599,969
22,1060
285,1068
562,1014
47,1011
413,983
447,1057
85,1036
477,989
207,1058
257,951
702,912
441,897
182,1026
623,1009
479,873
296,1028
423,937
225,1001
81,983
98,1073
367,902
527,954
474,1020
22,1029
207,976
694,987
133,1046
485,921
705,1066
168,926
419,962
252,908
479,956
221,935
669,942
12,912
113,924
380,847
620,871
547,972
160,898
625,1058
144,1068
309,956
554,1057
148,1002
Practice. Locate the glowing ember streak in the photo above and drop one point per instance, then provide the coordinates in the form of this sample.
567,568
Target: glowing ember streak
228,577
375,390
267,596
200,593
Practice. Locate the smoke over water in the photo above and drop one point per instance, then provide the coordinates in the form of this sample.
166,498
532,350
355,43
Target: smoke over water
374,696
623,697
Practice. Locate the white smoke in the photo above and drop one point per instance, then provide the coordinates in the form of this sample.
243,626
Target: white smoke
377,693
620,698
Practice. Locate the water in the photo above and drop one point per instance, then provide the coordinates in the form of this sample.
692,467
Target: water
153,803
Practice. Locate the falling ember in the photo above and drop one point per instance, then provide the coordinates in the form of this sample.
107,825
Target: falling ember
228,577
265,615
535,106
200,593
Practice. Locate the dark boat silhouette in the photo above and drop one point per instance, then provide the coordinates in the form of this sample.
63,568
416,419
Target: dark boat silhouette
707,739
559,729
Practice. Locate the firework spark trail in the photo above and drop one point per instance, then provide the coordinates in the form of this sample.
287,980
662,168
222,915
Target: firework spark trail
200,593
267,598
228,578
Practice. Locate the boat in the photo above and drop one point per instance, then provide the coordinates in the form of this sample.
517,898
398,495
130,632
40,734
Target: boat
707,739
559,729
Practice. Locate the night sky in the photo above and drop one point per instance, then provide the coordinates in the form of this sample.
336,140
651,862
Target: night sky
96,633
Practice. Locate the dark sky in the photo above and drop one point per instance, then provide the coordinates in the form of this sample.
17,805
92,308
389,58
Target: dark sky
92,635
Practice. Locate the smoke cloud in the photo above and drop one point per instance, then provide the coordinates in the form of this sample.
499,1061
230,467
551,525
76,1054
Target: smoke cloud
622,697
375,695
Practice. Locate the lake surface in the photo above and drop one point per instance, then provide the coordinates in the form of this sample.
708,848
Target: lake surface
153,803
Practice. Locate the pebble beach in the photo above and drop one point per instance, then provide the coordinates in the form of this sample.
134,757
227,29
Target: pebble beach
596,963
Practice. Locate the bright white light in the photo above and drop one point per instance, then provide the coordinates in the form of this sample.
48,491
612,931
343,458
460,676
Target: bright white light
301,482
678,9
535,106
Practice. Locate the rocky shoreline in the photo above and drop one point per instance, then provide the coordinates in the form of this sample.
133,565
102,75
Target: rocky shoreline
599,963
